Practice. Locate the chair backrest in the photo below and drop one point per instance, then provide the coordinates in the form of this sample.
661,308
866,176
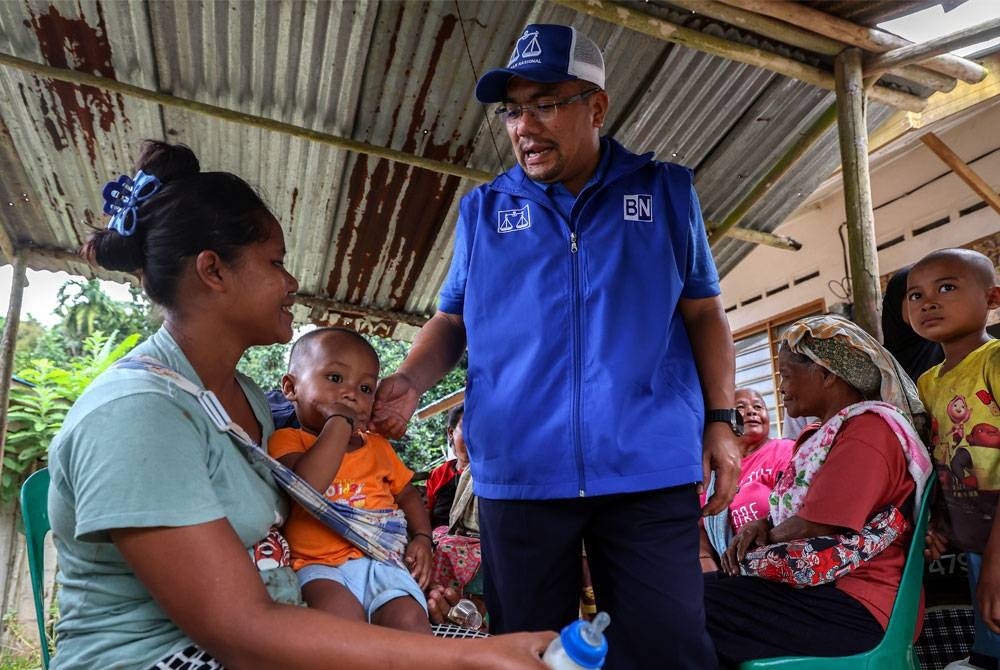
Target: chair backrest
35,512
895,651
903,621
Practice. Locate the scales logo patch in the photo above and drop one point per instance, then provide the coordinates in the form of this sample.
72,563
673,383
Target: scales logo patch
512,220
638,207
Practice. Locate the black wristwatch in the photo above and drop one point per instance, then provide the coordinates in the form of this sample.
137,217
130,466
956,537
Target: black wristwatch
730,416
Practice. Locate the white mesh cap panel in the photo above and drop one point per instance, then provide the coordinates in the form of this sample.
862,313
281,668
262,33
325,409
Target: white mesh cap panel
586,61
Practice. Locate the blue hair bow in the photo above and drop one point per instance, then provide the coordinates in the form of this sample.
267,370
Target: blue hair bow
122,198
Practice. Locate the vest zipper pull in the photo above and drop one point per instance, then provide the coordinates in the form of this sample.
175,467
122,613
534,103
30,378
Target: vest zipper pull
572,242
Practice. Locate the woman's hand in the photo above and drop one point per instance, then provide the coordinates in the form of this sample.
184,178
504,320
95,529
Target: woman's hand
753,534
516,651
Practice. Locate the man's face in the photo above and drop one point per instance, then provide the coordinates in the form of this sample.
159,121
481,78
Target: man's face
566,148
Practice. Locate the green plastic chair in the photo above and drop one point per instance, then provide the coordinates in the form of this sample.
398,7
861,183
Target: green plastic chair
895,651
35,512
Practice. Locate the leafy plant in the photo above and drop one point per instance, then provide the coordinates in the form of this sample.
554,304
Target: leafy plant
37,413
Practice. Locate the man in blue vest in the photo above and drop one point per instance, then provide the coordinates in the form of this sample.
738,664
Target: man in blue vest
600,383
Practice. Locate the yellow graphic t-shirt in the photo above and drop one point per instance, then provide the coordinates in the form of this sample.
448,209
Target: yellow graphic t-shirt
368,478
965,441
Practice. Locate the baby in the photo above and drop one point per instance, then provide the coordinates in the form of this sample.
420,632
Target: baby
331,379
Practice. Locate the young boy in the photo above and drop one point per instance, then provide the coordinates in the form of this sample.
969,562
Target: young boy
332,374
949,295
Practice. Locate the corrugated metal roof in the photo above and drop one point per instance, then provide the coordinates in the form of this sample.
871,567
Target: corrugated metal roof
368,238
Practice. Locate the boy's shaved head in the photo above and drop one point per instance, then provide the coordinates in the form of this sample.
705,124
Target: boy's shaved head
979,264
303,348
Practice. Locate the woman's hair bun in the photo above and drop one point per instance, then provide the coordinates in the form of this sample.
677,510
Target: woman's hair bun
168,162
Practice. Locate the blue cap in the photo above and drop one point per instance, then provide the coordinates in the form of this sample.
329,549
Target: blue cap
577,648
548,54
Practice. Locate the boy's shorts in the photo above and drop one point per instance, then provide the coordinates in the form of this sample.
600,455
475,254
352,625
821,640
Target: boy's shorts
372,582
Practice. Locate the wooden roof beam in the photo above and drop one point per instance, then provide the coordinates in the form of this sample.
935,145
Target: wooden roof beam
762,237
962,170
167,100
940,106
742,53
795,36
869,39
917,53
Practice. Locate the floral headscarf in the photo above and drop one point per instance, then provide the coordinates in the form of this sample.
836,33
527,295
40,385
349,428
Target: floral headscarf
842,347
847,351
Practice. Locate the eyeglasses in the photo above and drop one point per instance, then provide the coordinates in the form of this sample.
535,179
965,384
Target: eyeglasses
542,111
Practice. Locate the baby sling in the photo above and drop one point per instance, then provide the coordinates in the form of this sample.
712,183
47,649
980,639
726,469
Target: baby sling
381,534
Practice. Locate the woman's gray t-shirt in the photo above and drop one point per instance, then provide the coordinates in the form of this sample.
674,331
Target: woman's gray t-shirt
136,451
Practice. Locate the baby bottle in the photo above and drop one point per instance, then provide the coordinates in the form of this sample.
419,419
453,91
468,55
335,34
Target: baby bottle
580,645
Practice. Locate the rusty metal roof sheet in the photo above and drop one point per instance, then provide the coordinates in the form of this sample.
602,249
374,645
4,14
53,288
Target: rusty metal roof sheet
368,238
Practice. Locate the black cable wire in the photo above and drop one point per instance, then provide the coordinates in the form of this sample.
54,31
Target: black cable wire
475,75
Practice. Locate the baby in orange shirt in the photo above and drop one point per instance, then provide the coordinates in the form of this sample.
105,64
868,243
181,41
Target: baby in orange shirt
331,379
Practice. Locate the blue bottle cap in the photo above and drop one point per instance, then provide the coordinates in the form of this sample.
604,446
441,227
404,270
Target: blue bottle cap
579,649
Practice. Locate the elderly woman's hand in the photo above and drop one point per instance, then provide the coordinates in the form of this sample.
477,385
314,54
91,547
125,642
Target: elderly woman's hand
754,534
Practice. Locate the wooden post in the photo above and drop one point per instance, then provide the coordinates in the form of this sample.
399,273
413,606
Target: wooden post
962,170
853,133
8,342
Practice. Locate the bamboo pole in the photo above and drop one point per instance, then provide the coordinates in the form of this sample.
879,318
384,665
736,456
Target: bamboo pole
962,170
717,46
774,175
853,134
8,343
167,100
796,36
917,53
869,39
453,399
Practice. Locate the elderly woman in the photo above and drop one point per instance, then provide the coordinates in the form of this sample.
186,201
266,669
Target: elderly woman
763,459
864,457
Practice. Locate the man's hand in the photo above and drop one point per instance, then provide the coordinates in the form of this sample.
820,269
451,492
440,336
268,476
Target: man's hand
395,402
721,452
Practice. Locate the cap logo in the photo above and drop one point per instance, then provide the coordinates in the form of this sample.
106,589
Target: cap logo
527,47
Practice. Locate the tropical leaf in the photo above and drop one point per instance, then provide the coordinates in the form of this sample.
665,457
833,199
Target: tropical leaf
37,413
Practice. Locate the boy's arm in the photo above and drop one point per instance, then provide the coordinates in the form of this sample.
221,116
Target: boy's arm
419,551
988,589
319,465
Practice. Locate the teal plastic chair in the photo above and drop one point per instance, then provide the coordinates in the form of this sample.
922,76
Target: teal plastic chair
35,512
895,651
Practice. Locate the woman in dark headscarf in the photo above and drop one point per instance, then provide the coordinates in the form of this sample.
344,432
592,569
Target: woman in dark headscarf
913,352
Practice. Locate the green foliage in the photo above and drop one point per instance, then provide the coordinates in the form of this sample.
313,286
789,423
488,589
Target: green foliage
36,414
265,365
85,309
18,652
29,333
